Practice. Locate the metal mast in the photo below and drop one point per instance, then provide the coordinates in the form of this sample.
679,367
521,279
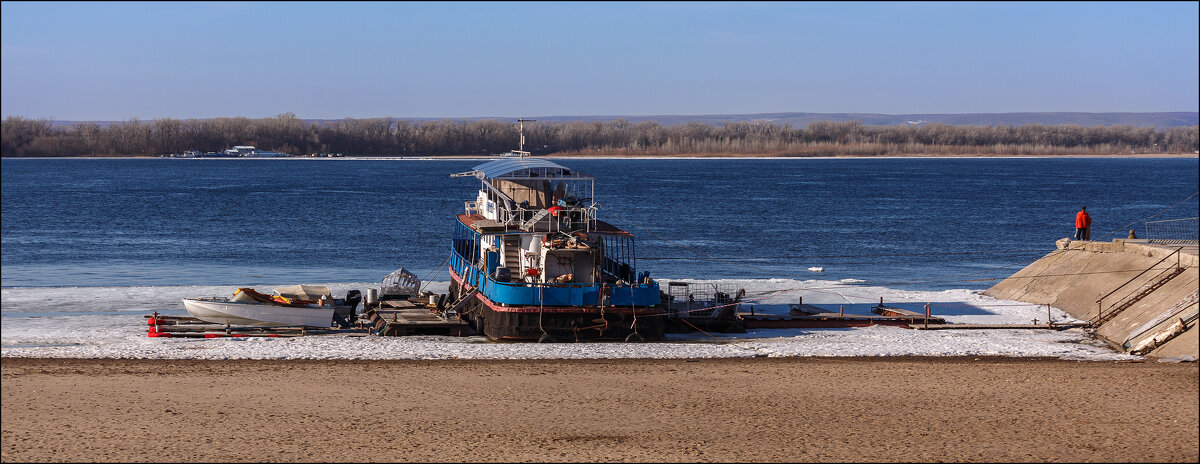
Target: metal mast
521,129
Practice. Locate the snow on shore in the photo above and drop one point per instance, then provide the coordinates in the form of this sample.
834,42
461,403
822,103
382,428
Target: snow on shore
99,322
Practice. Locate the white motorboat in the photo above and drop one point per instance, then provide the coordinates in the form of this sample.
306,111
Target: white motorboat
240,313
299,305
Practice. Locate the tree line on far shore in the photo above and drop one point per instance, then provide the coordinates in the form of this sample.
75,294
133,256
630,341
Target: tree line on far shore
400,137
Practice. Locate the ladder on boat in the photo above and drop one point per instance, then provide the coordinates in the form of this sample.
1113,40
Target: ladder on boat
512,254
533,220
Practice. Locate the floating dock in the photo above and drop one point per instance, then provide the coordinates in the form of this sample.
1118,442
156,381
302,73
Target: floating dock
806,316
1051,326
404,317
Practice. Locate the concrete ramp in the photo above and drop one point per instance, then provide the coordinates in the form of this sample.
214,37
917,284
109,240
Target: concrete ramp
1140,297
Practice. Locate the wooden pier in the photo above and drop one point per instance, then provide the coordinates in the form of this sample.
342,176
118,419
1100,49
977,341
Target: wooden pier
823,321
1053,326
405,317
806,316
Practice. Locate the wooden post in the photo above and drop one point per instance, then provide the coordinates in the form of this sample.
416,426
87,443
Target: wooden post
841,310
927,315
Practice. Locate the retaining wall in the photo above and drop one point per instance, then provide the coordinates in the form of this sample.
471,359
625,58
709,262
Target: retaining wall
1077,274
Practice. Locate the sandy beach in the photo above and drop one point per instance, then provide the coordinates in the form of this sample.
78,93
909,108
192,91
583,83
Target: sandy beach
759,409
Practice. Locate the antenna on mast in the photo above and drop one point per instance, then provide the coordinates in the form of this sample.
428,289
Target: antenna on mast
521,128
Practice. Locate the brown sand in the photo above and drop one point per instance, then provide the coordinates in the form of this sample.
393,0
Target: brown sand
765,409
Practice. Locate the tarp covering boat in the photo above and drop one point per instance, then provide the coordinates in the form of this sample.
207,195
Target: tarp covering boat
400,284
304,292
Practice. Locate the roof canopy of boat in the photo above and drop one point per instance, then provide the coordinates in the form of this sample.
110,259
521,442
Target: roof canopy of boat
523,168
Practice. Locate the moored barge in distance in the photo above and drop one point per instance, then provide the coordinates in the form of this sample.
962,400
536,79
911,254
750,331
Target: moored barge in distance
529,260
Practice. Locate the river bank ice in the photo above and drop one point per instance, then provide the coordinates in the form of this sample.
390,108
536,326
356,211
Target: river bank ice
109,322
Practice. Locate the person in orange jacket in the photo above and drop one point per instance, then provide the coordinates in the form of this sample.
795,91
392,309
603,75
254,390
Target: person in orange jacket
1083,225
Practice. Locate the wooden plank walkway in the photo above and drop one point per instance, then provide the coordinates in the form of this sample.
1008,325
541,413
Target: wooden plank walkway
402,317
823,320
802,315
1056,326
802,309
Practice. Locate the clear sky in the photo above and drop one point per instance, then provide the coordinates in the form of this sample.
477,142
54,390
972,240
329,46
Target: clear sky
114,61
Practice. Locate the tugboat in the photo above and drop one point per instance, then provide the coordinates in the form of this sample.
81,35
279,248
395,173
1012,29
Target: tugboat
529,260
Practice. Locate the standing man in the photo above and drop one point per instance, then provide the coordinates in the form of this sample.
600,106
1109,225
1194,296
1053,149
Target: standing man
1083,225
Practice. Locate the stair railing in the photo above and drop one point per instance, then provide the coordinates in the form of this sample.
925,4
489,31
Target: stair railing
1100,301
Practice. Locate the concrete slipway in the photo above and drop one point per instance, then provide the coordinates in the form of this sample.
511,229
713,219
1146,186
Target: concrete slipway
1140,297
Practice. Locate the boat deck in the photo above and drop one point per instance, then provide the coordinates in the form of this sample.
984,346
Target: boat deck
488,226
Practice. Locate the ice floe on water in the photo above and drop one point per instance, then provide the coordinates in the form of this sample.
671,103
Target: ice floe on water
109,322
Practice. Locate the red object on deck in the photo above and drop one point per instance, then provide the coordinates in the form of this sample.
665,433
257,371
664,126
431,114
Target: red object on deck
154,333
554,210
213,335
153,321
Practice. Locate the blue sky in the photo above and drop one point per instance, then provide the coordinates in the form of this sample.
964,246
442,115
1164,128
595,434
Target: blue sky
117,60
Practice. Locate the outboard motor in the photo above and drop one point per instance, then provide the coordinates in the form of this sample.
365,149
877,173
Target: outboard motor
352,299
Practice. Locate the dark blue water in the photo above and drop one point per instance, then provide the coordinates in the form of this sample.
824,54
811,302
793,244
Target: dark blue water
920,223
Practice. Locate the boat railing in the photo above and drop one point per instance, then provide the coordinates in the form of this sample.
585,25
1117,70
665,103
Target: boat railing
565,219
555,293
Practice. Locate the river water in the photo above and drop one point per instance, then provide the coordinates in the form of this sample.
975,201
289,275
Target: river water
98,240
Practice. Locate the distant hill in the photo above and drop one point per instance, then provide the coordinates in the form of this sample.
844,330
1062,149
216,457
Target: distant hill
1160,120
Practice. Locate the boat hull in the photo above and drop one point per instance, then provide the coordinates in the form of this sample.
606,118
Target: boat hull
560,323
258,315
